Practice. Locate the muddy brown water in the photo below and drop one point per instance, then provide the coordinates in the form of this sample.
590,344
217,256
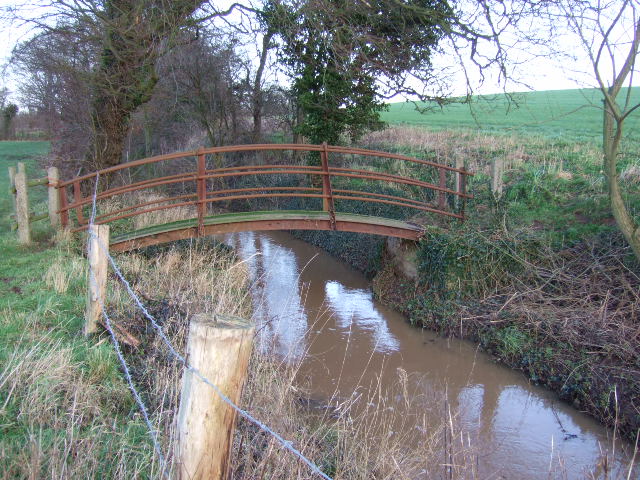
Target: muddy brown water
314,310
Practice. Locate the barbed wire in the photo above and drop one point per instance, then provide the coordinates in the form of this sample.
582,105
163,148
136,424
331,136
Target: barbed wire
116,345
243,413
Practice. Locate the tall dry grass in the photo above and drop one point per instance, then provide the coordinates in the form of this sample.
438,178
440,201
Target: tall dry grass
476,150
350,438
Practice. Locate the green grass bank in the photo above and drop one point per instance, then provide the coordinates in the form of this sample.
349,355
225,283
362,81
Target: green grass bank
65,408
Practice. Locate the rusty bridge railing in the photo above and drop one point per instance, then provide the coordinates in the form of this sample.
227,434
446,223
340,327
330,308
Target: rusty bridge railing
76,194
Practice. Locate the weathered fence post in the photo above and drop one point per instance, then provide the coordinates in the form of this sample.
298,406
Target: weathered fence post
497,169
219,348
97,285
458,178
54,197
22,207
21,168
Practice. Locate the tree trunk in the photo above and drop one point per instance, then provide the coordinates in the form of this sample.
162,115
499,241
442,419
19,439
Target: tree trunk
111,125
258,100
612,136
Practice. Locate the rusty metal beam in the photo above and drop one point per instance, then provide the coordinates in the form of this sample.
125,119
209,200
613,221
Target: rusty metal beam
343,223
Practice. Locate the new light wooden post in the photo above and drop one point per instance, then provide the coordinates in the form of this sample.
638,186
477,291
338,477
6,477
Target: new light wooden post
98,266
54,196
22,207
219,347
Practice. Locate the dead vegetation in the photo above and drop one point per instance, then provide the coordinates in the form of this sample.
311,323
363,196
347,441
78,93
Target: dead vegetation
349,441
585,301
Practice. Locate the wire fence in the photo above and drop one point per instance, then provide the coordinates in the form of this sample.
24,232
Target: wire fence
175,354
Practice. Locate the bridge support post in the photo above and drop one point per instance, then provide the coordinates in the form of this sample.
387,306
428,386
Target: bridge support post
219,349
463,190
77,198
201,189
64,215
327,200
442,196
97,284
22,207
54,197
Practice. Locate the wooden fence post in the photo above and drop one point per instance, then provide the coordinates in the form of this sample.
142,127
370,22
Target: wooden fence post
21,168
97,280
219,348
22,207
497,169
458,178
54,197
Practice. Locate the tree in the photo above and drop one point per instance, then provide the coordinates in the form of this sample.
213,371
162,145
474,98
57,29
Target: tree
132,36
56,85
336,53
9,112
203,78
609,33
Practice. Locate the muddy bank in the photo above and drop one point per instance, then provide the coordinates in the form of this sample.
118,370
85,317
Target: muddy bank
567,319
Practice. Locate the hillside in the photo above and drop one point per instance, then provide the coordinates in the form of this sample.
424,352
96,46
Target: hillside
562,114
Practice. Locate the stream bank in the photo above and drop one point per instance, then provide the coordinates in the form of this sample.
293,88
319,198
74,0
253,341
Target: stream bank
567,319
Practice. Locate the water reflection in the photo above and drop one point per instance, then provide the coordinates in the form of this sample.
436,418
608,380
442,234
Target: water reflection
355,306
312,308
277,296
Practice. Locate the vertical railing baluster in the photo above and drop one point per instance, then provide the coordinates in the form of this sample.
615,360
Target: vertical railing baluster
442,196
77,198
64,212
327,193
201,187
463,191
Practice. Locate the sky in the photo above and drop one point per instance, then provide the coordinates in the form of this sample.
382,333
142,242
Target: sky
537,73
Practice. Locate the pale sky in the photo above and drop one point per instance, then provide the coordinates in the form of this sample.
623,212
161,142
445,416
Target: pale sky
539,74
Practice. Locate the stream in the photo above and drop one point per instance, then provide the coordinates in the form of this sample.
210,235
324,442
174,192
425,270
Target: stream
316,311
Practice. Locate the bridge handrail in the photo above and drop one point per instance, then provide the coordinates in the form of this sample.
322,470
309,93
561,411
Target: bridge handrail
261,147
202,197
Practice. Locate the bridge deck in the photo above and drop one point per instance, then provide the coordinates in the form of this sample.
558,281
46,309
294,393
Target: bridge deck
270,220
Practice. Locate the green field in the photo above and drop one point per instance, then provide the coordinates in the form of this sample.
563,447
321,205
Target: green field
566,114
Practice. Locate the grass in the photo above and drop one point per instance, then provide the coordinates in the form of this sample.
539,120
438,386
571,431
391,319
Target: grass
573,115
525,277
65,410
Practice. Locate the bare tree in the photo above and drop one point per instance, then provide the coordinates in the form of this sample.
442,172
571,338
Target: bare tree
55,83
132,37
609,33
203,79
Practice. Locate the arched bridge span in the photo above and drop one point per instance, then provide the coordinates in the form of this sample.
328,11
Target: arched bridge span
174,196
